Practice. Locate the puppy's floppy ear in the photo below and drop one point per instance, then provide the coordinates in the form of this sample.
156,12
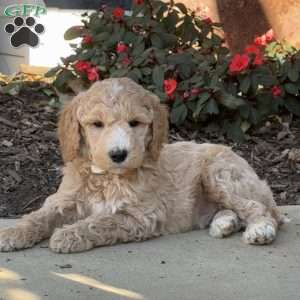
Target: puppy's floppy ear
160,127
68,131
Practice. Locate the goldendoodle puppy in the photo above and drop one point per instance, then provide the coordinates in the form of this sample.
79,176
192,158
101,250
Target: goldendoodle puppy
122,183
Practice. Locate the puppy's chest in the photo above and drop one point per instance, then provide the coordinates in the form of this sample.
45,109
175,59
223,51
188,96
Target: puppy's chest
106,207
109,198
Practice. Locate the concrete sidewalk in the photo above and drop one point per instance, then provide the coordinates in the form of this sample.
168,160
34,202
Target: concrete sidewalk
189,266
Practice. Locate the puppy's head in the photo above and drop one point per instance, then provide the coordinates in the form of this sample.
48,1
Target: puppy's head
116,124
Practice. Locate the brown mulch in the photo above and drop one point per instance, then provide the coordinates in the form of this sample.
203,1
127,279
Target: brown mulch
30,161
29,157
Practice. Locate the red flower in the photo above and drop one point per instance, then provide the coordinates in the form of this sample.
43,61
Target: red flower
170,86
195,91
276,91
260,40
138,2
258,60
92,74
208,20
87,39
265,38
82,65
121,47
118,12
253,49
269,35
239,63
126,61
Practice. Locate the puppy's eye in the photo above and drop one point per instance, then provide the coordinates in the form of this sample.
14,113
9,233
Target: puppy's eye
98,124
134,123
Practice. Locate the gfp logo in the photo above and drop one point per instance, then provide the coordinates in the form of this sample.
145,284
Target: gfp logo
24,29
24,10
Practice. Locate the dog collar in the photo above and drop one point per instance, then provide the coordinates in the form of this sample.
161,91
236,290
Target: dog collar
96,170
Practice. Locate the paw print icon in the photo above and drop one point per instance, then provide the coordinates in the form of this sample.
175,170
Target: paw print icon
24,32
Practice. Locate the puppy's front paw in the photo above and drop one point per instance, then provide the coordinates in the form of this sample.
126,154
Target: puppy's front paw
260,233
16,238
69,240
224,226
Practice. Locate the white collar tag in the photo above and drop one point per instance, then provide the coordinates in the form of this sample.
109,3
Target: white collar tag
96,170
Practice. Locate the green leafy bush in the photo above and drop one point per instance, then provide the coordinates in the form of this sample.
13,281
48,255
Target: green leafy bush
181,57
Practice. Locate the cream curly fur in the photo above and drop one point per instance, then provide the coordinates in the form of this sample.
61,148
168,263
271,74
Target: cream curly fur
158,189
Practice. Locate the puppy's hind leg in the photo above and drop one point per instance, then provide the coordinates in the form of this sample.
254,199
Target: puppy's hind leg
224,223
233,184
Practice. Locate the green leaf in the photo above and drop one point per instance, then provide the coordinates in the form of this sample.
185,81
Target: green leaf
156,41
245,126
135,75
182,8
138,61
291,88
293,105
48,92
138,9
52,72
101,37
161,95
146,71
138,49
180,58
245,111
160,55
171,20
221,69
214,81
74,32
267,80
158,76
159,9
119,73
12,88
191,105
188,31
177,102
69,59
216,40
201,102
207,44
185,70
85,55
235,132
293,73
178,114
212,107
168,39
63,78
55,103
254,116
264,104
129,37
231,101
245,84
113,39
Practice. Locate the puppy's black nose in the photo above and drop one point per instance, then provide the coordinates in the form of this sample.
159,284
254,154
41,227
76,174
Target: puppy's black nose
118,155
